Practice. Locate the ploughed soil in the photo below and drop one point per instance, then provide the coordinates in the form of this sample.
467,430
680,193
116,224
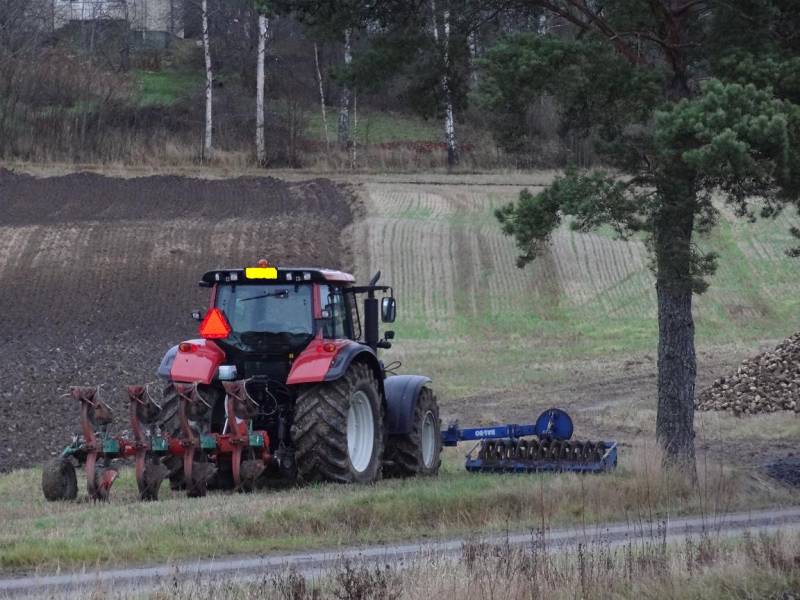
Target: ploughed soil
98,277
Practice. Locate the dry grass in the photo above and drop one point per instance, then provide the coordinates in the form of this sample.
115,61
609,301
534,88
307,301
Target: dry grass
754,566
37,534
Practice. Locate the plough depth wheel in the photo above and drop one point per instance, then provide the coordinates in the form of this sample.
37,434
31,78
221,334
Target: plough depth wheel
59,481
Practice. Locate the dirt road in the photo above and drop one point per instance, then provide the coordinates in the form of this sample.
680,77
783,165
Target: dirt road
135,581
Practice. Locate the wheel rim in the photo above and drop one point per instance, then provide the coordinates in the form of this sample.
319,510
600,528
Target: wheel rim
429,434
360,431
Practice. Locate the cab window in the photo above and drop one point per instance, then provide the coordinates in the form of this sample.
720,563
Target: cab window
335,313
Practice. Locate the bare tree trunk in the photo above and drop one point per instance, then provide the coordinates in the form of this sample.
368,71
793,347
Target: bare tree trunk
449,120
354,141
261,149
207,141
472,40
344,105
322,99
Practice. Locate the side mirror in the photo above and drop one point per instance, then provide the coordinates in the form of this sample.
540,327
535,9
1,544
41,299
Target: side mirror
197,315
388,310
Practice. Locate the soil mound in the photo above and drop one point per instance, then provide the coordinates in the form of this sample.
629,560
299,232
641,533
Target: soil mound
98,277
766,383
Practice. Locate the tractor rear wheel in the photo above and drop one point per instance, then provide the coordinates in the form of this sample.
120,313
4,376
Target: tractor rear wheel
169,422
419,451
338,429
59,481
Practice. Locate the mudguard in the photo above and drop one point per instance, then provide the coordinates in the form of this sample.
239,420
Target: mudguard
316,365
347,354
402,392
313,363
198,365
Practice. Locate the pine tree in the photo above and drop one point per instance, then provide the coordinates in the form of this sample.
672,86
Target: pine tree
632,76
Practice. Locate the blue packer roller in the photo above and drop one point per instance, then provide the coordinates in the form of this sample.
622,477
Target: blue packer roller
544,446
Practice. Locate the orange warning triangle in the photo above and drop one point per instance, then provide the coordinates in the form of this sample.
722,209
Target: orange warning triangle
215,325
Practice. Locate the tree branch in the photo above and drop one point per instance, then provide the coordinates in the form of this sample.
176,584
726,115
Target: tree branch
594,22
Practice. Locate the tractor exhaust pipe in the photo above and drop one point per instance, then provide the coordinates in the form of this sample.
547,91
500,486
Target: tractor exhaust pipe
371,324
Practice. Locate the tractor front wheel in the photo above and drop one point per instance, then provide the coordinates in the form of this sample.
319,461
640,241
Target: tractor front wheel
338,429
419,451
59,481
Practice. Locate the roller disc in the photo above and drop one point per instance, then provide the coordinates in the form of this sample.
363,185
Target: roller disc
599,451
534,450
555,450
577,452
588,451
522,450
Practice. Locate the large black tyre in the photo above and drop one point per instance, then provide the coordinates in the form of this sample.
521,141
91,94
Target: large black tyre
320,429
59,481
418,452
170,423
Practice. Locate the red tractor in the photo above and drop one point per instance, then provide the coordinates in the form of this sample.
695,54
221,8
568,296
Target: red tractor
284,383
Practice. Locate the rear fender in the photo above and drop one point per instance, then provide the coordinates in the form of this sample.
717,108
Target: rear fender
355,352
402,393
198,365
315,365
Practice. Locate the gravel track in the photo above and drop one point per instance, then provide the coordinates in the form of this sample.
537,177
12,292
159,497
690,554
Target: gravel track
313,564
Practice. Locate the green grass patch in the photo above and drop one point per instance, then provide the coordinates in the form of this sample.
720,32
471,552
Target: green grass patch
377,127
164,88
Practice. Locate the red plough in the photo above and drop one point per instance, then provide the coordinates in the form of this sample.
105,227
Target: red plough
239,450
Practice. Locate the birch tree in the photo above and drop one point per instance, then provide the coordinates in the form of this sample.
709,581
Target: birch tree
263,29
322,98
449,121
344,100
207,140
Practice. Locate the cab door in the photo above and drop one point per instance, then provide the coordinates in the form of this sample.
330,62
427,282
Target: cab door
336,313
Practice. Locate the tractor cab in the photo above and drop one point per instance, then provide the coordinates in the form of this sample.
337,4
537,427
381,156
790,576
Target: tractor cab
279,310
270,310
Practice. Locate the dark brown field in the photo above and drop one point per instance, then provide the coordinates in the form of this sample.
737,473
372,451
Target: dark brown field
98,277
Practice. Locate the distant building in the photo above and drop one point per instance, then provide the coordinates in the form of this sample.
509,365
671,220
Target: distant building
152,22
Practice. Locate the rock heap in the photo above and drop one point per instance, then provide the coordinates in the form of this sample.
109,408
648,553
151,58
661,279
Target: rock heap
766,383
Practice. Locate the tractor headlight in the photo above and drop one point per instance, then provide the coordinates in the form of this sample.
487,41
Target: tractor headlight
226,372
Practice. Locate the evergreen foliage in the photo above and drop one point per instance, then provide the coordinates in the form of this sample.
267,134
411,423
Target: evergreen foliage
699,112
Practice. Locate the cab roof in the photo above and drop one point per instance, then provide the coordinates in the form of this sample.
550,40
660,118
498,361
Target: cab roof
282,275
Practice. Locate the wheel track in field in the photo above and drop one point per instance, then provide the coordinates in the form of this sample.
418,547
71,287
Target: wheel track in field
439,244
443,251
